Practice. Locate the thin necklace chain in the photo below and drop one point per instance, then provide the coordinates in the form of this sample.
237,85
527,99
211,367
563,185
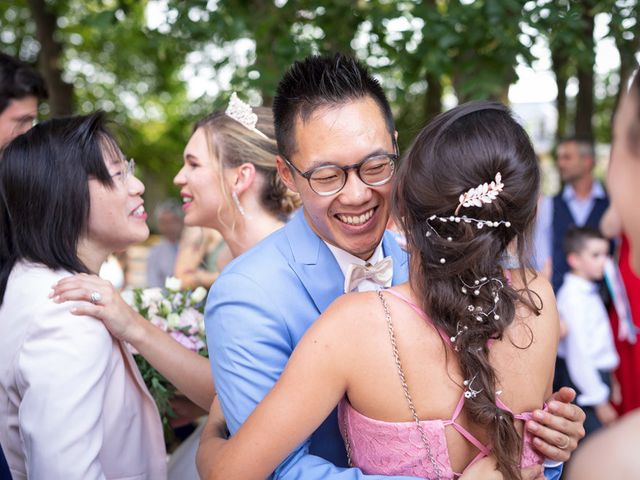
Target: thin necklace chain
405,387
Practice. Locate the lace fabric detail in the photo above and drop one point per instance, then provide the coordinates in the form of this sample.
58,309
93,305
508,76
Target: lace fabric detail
395,448
387,448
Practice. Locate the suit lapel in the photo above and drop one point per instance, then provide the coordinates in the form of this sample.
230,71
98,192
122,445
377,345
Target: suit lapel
391,248
317,268
313,263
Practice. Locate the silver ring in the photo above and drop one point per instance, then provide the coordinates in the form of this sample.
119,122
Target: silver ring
95,297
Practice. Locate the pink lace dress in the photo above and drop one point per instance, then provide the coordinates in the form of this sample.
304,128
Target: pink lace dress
397,448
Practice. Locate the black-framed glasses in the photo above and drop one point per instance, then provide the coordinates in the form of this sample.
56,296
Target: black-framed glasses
330,179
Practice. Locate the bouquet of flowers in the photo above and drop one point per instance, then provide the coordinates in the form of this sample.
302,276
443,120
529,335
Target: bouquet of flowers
180,313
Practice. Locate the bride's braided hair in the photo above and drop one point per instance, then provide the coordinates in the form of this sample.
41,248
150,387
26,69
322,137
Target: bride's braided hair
459,150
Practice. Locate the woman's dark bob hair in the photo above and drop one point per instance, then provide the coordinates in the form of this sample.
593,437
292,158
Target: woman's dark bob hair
44,191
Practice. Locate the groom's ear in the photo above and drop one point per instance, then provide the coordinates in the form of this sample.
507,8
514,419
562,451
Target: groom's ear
286,174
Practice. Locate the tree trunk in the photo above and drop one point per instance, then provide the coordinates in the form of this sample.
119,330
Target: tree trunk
584,99
50,58
433,96
559,62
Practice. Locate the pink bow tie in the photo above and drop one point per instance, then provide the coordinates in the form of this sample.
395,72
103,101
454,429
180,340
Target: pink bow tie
379,273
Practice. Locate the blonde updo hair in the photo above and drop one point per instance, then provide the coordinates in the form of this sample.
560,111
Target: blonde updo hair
233,144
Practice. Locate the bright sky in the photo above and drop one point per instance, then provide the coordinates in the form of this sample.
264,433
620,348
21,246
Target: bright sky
536,83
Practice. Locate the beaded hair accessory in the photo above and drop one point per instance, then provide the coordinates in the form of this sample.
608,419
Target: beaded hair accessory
474,197
242,113
483,193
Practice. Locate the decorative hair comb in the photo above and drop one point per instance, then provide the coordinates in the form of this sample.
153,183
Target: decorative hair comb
476,197
483,193
242,113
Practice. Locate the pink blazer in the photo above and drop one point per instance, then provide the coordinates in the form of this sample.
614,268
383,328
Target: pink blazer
72,402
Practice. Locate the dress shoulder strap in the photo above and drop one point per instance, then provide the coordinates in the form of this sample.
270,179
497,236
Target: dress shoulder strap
420,313
403,381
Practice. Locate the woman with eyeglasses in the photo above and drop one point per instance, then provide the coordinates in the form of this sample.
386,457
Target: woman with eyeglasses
72,402
228,182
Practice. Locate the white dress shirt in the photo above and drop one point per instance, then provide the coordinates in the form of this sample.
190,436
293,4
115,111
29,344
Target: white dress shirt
345,259
588,345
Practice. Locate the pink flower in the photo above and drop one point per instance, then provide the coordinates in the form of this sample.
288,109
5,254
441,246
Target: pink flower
184,341
190,319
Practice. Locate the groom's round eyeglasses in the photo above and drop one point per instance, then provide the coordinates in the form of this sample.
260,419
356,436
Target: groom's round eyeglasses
126,170
330,179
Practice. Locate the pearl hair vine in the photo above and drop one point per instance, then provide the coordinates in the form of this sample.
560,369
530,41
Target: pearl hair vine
477,311
242,113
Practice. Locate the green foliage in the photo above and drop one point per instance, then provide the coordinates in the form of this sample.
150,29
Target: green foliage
131,58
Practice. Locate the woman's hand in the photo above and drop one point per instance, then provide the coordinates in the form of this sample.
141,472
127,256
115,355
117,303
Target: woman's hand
120,319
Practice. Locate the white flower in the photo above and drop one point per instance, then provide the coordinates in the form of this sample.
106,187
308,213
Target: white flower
165,308
151,296
128,297
198,294
173,283
173,321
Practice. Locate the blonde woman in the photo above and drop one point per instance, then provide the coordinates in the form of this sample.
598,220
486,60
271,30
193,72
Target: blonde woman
229,183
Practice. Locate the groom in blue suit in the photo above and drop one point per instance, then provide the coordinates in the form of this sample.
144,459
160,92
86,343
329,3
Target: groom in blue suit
337,146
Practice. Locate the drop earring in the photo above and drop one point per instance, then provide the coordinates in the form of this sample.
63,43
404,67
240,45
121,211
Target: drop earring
236,200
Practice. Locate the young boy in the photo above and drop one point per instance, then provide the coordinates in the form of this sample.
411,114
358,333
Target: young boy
587,349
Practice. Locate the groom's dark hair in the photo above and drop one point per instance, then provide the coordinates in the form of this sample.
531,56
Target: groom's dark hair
322,81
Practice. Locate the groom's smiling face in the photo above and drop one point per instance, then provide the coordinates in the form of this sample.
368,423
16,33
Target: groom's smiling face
354,219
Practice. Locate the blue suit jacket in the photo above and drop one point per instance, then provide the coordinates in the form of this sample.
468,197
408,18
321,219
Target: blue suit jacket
257,311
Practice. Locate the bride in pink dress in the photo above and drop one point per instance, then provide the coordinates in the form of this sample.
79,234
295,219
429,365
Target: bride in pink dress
436,374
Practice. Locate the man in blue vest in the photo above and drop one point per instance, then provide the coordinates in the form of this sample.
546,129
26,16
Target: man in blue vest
581,202
331,118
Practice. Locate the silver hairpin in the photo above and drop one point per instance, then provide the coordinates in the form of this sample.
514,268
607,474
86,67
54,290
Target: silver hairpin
470,392
478,311
242,113
460,329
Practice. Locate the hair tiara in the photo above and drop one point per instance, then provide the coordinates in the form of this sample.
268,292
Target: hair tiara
242,113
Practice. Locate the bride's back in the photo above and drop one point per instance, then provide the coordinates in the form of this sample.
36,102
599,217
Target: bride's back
523,362
466,196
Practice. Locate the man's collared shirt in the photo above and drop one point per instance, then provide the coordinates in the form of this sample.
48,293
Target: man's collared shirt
345,259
